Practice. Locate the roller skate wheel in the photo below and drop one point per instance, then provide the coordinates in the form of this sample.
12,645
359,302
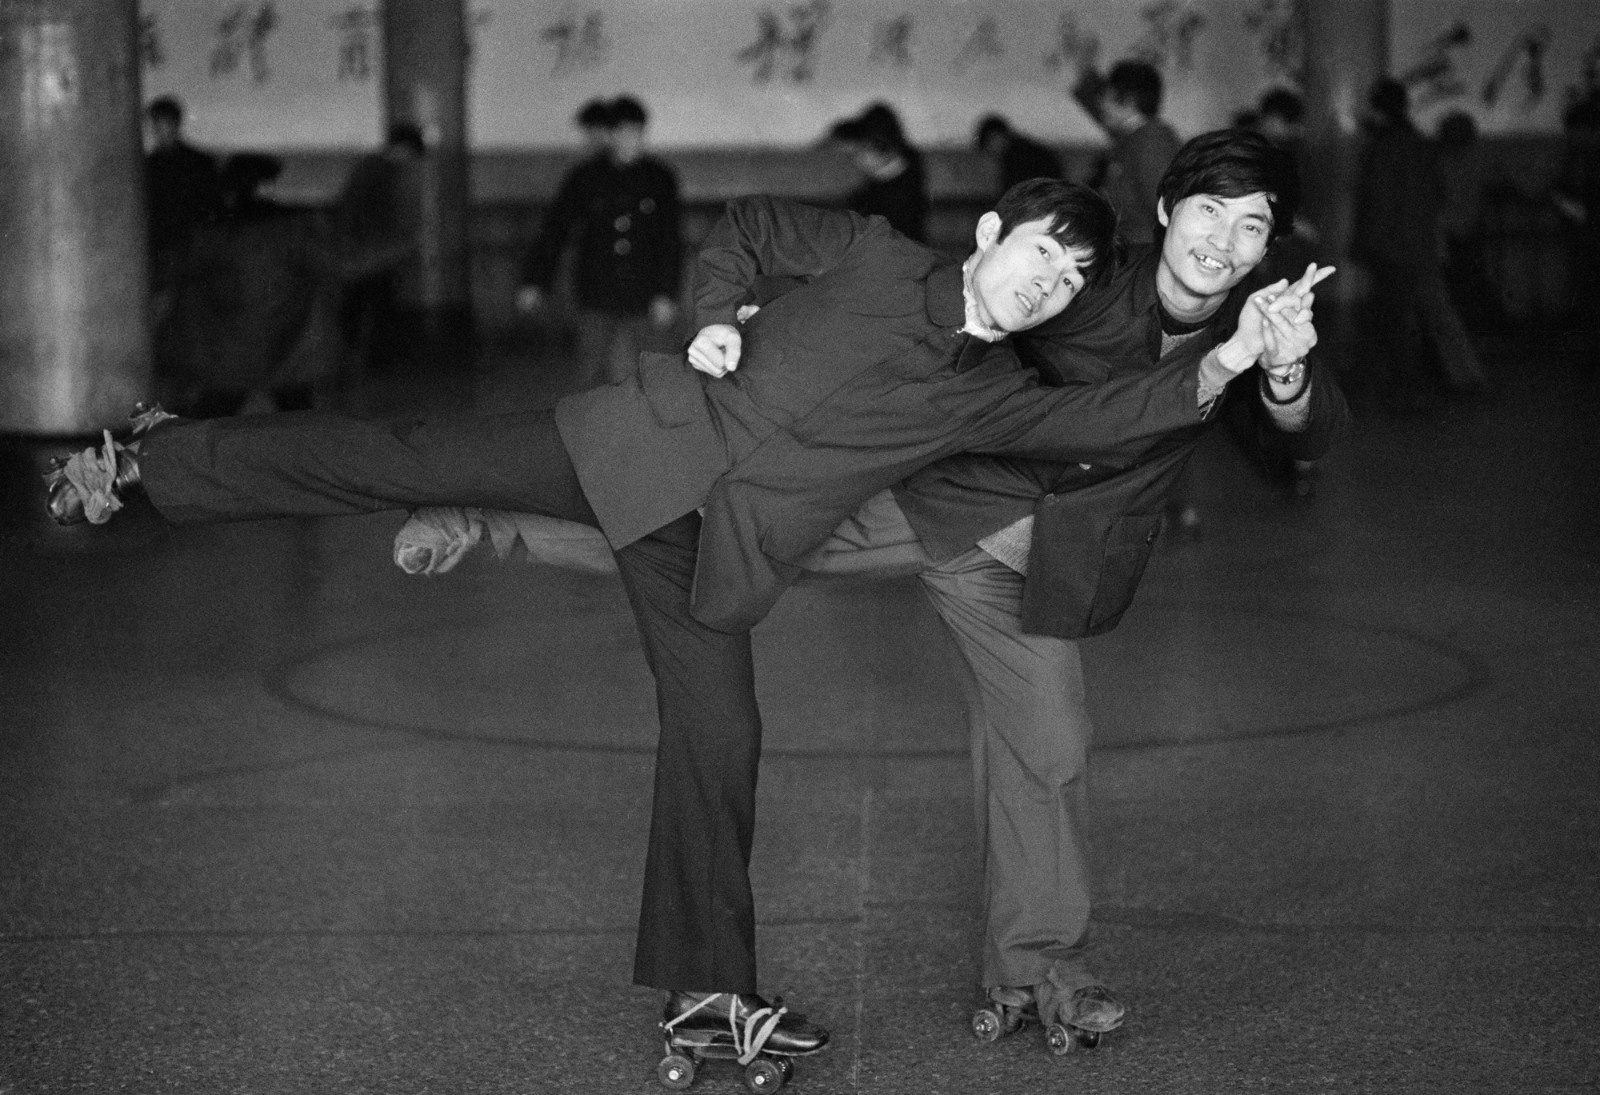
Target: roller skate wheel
1059,1039
1088,1039
788,1068
675,1072
763,1074
987,1025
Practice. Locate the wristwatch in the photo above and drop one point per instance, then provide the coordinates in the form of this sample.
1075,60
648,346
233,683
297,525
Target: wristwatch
1289,383
1293,374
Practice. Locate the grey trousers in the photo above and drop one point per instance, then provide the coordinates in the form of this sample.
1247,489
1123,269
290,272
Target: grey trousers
1029,733
1030,736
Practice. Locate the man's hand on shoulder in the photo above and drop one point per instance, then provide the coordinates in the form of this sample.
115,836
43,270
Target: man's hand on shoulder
715,350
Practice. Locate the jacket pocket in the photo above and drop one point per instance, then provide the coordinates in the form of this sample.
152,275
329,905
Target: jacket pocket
1128,544
672,388
1084,567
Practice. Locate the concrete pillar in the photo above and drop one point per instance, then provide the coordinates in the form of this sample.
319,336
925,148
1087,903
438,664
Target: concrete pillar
425,81
1347,48
74,330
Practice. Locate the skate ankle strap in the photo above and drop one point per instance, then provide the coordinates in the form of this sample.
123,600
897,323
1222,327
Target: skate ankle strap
757,1029
670,1023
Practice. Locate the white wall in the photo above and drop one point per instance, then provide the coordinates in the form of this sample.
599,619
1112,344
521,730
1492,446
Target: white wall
300,88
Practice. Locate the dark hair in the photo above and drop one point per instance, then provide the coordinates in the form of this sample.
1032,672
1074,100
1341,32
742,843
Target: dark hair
1284,103
626,110
1389,98
1234,163
989,127
408,135
1080,218
595,114
165,107
1138,81
880,126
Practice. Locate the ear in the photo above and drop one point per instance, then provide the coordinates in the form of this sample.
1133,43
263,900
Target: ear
1162,215
988,229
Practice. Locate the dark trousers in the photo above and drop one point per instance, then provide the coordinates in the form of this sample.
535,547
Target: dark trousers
697,915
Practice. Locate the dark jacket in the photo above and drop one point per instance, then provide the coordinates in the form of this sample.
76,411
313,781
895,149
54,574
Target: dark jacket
1094,527
623,222
847,384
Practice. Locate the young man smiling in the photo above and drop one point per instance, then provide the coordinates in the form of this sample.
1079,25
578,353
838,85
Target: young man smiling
1027,556
886,357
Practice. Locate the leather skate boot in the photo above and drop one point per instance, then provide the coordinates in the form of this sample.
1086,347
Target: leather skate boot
1074,1015
747,1024
93,484
1094,1009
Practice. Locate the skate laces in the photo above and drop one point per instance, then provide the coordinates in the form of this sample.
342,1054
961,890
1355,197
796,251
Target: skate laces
145,416
757,1028
94,476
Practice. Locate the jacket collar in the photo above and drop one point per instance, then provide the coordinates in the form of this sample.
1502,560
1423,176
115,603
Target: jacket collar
947,306
1142,261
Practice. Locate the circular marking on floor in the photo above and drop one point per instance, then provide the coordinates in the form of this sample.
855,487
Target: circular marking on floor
839,681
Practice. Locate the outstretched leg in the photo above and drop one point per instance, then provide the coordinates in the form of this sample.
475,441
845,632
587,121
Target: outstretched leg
310,464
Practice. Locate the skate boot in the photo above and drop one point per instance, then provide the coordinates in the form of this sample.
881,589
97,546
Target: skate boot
1071,1018
1078,1016
91,485
762,1037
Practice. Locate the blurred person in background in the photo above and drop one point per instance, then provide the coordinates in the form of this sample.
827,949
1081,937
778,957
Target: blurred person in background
377,209
182,192
619,209
253,324
1015,156
1461,222
894,182
1399,205
1126,103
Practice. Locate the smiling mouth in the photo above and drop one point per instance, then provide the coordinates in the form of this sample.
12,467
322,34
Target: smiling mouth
1029,305
1206,262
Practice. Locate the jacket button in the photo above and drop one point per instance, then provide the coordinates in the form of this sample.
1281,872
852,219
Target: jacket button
1150,537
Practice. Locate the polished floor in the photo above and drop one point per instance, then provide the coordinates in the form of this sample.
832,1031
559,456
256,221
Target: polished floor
276,818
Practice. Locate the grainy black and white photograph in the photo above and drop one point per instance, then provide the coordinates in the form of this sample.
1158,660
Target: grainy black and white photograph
869,547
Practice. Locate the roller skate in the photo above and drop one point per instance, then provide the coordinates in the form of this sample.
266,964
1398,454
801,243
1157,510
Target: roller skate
764,1038
1071,1019
92,485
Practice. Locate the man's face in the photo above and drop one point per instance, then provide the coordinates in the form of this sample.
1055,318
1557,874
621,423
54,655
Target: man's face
1022,280
1210,245
627,142
164,130
1121,113
596,138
